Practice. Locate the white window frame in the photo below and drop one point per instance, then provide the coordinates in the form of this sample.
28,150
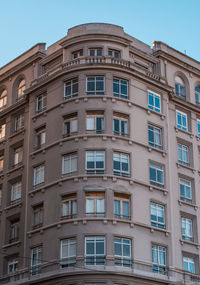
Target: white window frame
95,91
157,137
95,198
70,158
122,119
94,117
73,84
70,258
18,155
95,154
121,200
121,156
120,83
13,266
95,256
36,266
157,168
187,229
159,266
189,261
155,97
185,184
71,204
41,102
16,191
38,174
184,151
73,125
123,260
183,116
95,51
197,95
157,208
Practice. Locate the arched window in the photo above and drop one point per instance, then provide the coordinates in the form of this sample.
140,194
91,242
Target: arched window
179,87
197,95
3,99
21,89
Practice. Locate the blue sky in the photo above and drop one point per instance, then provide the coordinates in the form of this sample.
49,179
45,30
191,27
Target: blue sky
23,23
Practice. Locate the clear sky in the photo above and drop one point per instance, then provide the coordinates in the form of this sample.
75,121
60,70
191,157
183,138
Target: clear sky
23,23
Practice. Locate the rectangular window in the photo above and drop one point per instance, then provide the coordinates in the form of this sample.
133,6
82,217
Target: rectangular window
0,196
95,51
18,155
157,216
36,260
95,122
95,85
12,266
159,259
185,190
189,264
69,163
38,175
14,231
198,128
38,212
3,100
95,250
154,101
183,154
114,53
71,88
122,248
120,125
187,232
41,103
1,161
120,88
69,206
197,98
2,131
95,204
16,190
19,122
121,164
40,137
181,120
156,173
68,252
77,53
155,137
70,125
121,206
95,162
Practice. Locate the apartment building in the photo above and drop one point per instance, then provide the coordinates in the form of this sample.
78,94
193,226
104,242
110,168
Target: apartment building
100,162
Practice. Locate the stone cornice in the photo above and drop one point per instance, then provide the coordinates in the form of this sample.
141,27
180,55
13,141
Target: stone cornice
143,55
51,57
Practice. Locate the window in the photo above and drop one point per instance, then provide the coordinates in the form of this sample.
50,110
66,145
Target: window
41,103
19,122
95,122
95,250
122,248
2,131
183,154
95,204
187,233
40,137
188,264
121,206
121,165
95,51
95,85
181,120
69,163
185,190
77,53
1,161
69,206
68,252
18,154
120,124
120,88
179,87
71,88
70,125
12,266
36,260
155,137
21,89
154,101
114,53
198,128
0,195
38,175
157,216
16,190
38,212
156,173
95,162
3,99
159,259
14,231
197,95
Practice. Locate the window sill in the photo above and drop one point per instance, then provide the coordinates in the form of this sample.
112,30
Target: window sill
186,167
16,243
21,131
14,204
182,242
184,132
181,202
20,167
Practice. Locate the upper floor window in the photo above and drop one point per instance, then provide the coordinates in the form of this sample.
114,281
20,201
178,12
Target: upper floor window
18,155
40,137
157,215
95,162
70,125
16,190
183,154
95,51
95,250
159,259
187,233
122,249
1,161
14,230
38,175
70,163
154,101
121,164
121,206
68,252
77,53
189,264
95,85
120,124
95,122
197,95
19,122
114,53
12,265
120,88
71,88
179,87
155,137
69,206
181,120
156,173
198,128
0,196
185,190
41,102
36,260
21,89
2,131
38,213
95,204
3,99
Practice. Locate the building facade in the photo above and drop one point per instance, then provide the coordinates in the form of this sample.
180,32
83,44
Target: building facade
100,162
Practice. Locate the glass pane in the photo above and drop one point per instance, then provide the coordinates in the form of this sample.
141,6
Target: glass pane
90,124
100,205
117,207
118,249
89,205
